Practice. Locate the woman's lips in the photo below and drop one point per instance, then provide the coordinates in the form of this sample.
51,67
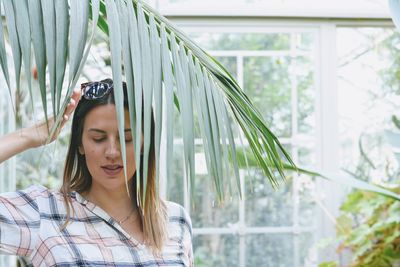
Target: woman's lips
112,170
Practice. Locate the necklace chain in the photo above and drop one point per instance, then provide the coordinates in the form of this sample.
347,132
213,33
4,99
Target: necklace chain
119,221
126,218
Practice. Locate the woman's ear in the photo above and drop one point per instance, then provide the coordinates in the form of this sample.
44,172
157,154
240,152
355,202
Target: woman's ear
81,150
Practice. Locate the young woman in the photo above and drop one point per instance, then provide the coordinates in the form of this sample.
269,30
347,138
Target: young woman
91,220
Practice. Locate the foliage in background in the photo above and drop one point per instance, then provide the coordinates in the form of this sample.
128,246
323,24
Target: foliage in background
369,224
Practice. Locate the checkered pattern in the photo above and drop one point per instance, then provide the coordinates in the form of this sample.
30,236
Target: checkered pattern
30,223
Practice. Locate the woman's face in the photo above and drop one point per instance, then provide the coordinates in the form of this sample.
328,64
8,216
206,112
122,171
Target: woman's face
101,147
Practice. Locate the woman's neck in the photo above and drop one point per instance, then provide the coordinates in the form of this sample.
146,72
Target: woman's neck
117,203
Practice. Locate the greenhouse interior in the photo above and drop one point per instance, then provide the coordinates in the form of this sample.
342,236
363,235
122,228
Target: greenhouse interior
324,77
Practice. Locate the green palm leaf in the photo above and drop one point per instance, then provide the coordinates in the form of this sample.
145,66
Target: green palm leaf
162,67
14,42
38,42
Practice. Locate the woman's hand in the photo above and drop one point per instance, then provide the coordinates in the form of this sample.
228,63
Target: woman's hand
38,134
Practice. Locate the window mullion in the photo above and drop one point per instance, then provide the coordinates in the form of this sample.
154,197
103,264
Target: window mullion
327,132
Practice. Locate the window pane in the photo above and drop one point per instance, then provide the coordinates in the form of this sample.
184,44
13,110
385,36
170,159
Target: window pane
242,41
308,253
269,250
306,155
305,41
266,206
216,250
368,73
267,83
304,69
206,212
307,206
230,65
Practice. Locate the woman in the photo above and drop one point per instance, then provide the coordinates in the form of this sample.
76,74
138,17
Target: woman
92,221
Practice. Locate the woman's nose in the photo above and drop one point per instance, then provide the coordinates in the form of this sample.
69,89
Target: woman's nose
112,150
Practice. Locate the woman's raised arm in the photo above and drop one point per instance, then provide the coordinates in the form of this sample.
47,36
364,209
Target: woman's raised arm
16,142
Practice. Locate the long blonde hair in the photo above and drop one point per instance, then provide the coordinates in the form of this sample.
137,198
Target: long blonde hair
78,178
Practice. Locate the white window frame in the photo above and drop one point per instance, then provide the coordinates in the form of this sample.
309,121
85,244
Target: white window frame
276,9
327,135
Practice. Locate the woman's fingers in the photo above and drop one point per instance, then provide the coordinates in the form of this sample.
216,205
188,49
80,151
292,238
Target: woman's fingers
72,104
75,97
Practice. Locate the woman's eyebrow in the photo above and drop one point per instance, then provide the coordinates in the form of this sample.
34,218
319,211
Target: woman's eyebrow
102,131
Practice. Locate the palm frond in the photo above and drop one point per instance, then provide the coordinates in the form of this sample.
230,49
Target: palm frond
162,67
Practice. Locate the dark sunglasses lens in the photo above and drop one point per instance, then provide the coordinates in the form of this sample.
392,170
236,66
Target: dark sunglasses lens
96,90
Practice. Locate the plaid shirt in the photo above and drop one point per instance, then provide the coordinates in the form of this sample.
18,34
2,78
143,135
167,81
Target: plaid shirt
30,223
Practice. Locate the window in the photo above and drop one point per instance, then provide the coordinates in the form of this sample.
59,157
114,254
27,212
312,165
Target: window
275,8
367,71
277,69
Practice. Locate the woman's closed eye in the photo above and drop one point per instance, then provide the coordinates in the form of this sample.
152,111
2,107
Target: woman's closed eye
99,140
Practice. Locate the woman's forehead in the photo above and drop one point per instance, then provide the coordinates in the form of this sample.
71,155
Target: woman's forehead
104,116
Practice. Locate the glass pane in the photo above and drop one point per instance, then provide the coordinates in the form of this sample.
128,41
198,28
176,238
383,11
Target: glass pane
242,41
368,97
305,41
267,83
229,64
306,95
306,155
307,206
269,250
266,206
206,211
216,250
308,252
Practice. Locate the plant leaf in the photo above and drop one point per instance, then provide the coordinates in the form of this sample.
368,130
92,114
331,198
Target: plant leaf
116,63
135,100
147,79
169,97
48,11
346,180
14,41
187,116
155,44
79,22
3,57
62,22
38,41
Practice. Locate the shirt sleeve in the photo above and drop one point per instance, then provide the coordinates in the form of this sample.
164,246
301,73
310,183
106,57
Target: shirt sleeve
19,221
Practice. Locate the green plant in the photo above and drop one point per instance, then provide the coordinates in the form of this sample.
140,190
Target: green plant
369,223
369,226
156,59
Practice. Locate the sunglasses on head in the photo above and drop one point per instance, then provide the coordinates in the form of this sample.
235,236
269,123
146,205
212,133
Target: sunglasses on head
95,90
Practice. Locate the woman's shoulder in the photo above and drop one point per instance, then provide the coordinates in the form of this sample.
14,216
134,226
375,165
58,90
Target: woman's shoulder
36,193
174,209
33,191
178,214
